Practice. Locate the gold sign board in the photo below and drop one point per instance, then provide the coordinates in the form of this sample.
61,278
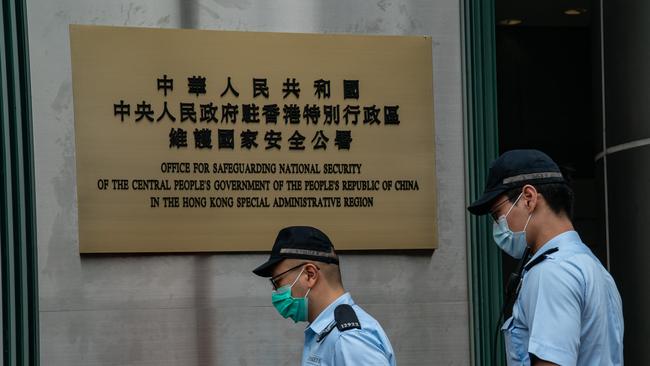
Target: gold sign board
193,140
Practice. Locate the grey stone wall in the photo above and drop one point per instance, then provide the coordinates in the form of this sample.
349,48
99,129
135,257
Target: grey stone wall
209,309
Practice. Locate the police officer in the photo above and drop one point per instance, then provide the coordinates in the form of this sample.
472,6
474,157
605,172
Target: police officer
566,309
306,280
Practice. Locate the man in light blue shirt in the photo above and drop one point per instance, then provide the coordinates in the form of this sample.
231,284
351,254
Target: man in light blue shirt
325,344
305,276
568,311
565,307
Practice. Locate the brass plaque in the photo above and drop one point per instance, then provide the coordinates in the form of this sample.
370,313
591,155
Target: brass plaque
194,140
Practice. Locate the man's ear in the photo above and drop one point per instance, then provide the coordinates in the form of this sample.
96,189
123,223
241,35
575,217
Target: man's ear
312,272
530,197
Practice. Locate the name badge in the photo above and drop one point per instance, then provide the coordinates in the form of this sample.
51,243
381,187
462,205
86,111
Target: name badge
313,360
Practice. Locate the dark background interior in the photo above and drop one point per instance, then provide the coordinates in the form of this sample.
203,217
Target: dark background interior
549,99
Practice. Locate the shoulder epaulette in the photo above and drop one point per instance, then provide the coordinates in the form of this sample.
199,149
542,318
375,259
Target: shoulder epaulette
346,318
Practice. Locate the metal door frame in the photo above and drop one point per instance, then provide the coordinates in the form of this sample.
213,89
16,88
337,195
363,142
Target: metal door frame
20,339
481,147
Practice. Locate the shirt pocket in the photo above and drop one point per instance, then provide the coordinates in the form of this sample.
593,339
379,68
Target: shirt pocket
516,340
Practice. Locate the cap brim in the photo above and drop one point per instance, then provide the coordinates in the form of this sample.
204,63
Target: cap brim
266,269
482,205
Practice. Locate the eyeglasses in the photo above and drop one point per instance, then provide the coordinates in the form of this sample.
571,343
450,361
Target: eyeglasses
493,212
274,279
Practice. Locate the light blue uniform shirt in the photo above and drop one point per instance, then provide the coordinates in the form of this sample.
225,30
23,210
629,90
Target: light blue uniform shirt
568,310
355,347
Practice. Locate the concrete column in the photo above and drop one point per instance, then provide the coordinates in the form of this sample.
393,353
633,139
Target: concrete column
627,164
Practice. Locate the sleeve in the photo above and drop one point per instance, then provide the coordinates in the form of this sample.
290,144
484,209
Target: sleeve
552,304
357,348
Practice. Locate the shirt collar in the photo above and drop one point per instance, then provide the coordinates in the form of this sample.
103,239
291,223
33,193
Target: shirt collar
559,241
326,316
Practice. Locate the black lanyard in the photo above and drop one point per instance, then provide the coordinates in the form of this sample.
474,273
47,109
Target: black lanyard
512,291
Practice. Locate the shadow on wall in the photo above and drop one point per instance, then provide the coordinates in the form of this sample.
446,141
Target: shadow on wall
189,11
204,314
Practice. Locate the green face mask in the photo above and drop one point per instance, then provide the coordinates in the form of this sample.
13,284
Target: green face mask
289,306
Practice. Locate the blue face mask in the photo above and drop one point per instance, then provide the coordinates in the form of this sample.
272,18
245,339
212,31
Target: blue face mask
289,306
513,243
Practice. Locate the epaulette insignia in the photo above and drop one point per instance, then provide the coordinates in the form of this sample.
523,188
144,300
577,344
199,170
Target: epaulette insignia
346,318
